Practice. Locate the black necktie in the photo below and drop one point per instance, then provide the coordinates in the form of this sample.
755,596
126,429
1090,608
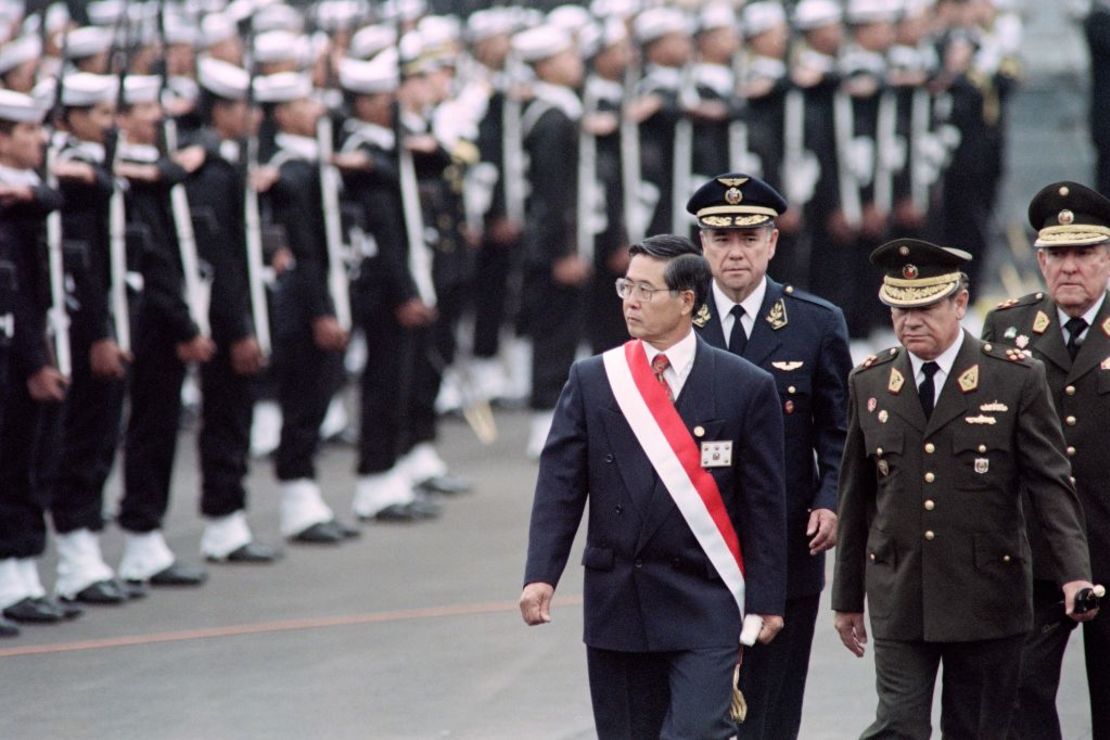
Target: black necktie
1075,327
737,339
927,391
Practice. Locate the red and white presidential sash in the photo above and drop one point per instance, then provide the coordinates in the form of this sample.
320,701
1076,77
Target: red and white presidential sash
673,453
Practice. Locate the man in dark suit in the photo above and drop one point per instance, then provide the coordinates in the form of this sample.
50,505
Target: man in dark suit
1068,329
944,432
661,625
802,341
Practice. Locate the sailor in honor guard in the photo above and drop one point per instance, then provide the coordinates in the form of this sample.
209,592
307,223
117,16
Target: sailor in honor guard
656,435
944,433
802,341
1067,327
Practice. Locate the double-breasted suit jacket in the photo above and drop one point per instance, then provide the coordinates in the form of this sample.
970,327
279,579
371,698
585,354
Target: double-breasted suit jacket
932,528
648,584
1081,392
802,341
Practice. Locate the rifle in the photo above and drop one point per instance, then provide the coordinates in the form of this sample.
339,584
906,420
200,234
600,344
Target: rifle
513,144
117,212
635,221
252,220
57,317
587,179
844,128
338,285
683,152
800,169
885,155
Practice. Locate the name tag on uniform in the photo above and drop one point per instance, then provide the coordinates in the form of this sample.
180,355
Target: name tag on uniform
716,454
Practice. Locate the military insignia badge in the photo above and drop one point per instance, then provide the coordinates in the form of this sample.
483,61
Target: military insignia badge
732,182
777,317
868,361
1105,364
1066,217
994,407
1007,303
873,403
897,380
1010,333
733,196
1106,327
982,465
910,272
884,467
702,317
788,407
787,365
883,416
1041,323
969,379
1021,341
981,419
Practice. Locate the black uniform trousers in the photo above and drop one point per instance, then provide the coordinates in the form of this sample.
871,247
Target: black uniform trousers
977,698
1096,646
28,439
225,434
90,435
491,295
670,695
555,326
150,441
1035,717
774,675
307,378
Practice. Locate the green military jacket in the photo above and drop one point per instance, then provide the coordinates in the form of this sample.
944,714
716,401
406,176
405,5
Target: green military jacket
1081,392
931,523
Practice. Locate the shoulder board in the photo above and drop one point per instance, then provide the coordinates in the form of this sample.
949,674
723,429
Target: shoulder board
1008,354
1026,300
789,291
879,359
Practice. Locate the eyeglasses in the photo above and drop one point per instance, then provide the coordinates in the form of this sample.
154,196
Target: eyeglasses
645,293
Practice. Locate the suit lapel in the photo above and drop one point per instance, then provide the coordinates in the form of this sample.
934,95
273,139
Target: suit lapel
696,404
712,331
952,401
902,398
1095,347
764,338
1050,343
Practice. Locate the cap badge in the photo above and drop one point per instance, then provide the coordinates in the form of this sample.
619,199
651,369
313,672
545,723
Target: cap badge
733,196
910,272
1041,322
1066,217
897,380
969,379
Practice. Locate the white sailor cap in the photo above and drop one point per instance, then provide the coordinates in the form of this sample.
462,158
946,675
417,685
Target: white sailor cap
281,46
811,14
762,16
105,12
19,51
570,18
180,31
403,10
621,9
860,12
139,89
379,75
487,23
216,28
332,15
20,108
438,33
278,17
85,89
541,42
371,40
222,79
716,15
597,37
282,87
87,41
655,23
411,47
917,8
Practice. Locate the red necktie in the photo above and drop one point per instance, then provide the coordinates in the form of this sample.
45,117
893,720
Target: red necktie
658,366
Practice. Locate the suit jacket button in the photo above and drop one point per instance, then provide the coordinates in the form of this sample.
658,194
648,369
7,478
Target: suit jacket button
638,563
930,448
609,458
619,509
872,556
1070,390
930,505
1070,421
929,535
1005,558
1071,451
929,477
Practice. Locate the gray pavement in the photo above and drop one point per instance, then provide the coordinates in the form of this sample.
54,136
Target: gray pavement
409,632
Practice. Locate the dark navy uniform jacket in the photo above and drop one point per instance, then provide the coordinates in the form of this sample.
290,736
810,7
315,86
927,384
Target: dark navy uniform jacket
802,341
649,586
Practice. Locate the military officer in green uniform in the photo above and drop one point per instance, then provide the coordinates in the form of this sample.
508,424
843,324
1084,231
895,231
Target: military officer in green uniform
1068,329
944,432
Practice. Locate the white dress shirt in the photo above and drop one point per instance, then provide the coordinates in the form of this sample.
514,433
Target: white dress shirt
751,305
680,355
945,360
1089,317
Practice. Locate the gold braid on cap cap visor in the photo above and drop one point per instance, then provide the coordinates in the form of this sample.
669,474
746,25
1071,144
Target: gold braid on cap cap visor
922,292
736,210
1073,234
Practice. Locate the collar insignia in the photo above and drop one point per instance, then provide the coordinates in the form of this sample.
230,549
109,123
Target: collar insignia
701,318
1106,327
1105,364
777,317
969,379
897,380
1041,323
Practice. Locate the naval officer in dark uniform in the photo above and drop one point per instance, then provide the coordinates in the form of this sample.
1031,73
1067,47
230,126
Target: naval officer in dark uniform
802,341
944,432
1068,329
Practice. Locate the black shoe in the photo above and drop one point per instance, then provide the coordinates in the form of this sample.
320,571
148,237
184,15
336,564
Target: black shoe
396,513
323,533
179,575
426,507
447,484
7,629
131,589
66,609
108,591
33,611
252,552
348,532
